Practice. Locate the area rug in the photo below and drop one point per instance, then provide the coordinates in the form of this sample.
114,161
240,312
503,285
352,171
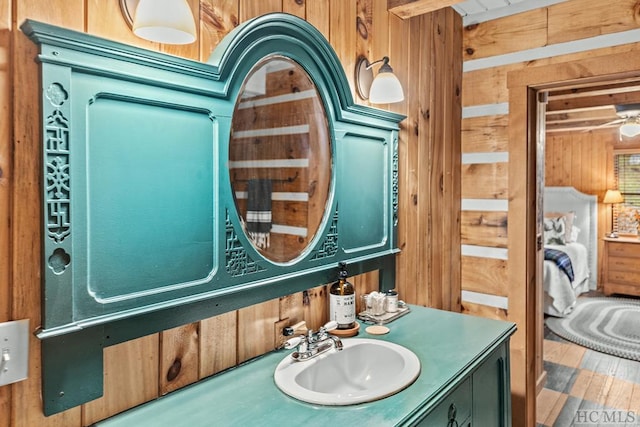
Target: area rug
607,325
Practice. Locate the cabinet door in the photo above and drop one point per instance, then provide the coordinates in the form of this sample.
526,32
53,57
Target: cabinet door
491,391
455,407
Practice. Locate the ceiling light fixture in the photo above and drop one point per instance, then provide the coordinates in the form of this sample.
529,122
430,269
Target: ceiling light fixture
630,127
162,21
384,89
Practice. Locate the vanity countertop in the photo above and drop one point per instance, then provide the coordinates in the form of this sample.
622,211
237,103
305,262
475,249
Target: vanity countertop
448,345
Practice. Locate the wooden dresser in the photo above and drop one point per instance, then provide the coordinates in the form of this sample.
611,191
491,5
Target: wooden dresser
622,266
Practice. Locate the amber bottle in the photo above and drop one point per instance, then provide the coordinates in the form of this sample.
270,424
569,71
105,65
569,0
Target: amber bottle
342,300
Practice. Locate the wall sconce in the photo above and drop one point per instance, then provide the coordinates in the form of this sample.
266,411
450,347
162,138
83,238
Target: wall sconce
384,89
162,21
630,127
612,197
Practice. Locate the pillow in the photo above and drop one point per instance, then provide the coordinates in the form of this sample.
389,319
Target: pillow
554,231
569,218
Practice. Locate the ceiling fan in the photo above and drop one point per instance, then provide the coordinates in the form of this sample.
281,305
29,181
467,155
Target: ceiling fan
629,119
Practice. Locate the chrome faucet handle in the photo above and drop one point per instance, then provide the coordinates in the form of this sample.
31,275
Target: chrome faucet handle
329,326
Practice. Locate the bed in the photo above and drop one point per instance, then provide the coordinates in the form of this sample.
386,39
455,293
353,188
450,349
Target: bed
571,227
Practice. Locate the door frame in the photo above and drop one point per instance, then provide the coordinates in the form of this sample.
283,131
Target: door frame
524,86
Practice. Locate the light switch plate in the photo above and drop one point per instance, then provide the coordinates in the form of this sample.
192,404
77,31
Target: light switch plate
14,351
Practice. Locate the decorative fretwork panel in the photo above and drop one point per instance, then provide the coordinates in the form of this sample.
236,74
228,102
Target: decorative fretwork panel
239,263
58,192
330,245
394,182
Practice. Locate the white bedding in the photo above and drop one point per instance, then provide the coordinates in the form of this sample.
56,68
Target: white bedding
560,294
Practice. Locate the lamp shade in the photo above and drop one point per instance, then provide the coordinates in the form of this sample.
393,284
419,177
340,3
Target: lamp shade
613,196
165,21
630,128
386,88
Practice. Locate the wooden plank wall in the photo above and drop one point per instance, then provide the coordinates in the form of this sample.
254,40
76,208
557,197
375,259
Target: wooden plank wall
429,65
561,33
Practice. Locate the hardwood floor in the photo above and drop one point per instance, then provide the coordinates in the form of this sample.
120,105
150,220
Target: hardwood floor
587,388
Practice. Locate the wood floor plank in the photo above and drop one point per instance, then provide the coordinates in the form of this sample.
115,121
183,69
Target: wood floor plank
549,403
619,395
566,354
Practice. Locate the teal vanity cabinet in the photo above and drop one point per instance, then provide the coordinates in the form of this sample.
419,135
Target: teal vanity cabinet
174,190
464,381
483,398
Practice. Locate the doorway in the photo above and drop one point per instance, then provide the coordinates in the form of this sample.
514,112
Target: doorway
524,275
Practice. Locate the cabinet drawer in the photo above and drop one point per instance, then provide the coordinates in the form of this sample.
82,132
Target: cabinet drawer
622,264
625,250
631,278
459,401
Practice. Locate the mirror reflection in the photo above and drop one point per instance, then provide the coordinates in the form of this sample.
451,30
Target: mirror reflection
280,158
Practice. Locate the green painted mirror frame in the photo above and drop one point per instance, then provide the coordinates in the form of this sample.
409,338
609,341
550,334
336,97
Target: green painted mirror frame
140,230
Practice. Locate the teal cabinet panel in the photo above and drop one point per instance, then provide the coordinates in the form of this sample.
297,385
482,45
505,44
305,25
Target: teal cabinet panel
454,408
148,187
141,231
492,391
364,191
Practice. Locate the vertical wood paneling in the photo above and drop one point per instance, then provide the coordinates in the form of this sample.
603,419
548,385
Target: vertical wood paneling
218,337
427,97
255,329
428,231
316,309
217,18
5,14
318,12
5,173
6,119
251,9
131,378
400,44
294,7
445,176
179,351
342,35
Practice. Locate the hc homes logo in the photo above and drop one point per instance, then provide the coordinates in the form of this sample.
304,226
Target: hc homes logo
606,418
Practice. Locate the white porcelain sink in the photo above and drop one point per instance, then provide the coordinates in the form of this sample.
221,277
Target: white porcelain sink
364,371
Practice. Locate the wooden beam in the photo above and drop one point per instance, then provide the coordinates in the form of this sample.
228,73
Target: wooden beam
600,100
409,8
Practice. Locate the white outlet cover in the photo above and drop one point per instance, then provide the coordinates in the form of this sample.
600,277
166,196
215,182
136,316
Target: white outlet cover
14,351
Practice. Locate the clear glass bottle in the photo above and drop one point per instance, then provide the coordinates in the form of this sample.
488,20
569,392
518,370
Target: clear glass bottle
342,300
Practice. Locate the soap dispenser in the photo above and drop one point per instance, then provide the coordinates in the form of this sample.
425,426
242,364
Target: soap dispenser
342,300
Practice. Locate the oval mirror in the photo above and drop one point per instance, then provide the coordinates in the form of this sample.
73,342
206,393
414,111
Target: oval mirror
280,158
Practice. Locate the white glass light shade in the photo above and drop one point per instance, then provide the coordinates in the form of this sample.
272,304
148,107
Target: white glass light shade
165,21
630,128
385,89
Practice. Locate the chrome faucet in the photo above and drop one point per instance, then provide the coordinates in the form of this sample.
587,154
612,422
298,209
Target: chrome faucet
314,344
